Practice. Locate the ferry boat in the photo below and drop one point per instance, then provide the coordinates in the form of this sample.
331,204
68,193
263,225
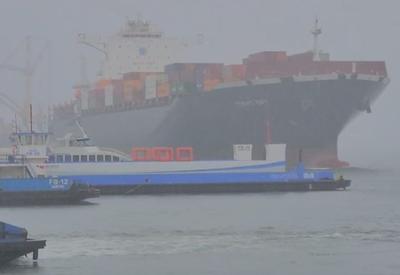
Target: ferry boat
21,185
113,173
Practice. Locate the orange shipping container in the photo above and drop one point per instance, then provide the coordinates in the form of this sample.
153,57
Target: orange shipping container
210,84
163,89
135,76
235,72
77,93
133,85
102,83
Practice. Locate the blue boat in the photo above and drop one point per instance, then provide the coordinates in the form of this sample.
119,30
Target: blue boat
227,180
112,173
14,243
18,186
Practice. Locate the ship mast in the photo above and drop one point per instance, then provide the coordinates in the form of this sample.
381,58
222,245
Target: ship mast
316,32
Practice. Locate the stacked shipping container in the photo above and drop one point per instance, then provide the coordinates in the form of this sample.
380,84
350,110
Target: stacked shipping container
194,77
184,78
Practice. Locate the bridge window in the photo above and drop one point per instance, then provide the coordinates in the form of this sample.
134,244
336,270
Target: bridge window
67,158
108,158
84,158
100,158
52,158
92,158
60,158
75,158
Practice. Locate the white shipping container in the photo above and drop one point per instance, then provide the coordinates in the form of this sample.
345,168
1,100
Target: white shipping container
84,99
161,77
227,72
109,95
151,87
242,151
275,152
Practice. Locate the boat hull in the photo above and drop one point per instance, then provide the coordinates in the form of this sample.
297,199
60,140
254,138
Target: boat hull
46,197
13,249
238,180
223,188
44,191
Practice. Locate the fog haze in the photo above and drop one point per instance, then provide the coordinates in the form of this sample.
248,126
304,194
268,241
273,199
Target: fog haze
352,30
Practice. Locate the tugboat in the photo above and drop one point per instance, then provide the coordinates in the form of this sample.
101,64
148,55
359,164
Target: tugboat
14,243
18,186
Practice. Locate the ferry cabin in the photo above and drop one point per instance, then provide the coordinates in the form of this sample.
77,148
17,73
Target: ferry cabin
34,146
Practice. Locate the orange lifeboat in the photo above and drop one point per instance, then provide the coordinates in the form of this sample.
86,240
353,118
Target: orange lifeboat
141,154
184,154
163,153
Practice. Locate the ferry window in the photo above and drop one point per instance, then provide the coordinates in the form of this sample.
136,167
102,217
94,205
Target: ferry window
84,158
38,140
67,158
52,158
75,158
26,140
92,158
100,158
107,158
115,159
60,158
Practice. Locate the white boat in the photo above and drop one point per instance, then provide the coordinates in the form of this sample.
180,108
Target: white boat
78,157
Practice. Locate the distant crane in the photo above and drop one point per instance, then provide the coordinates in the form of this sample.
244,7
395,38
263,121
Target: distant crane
27,71
9,103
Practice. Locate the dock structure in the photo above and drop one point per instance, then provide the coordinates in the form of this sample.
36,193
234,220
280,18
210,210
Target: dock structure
14,243
13,249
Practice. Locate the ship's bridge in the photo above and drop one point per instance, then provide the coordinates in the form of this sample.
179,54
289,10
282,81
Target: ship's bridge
32,145
138,47
138,28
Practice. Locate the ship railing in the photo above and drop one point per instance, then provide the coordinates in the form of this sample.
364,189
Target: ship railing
154,102
115,152
12,158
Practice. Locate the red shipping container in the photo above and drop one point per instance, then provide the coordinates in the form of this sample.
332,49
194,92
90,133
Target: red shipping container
184,154
163,153
141,154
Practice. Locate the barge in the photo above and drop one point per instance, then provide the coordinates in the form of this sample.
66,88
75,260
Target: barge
216,181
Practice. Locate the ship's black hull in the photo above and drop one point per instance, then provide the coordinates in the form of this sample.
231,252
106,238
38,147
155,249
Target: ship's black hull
307,115
225,188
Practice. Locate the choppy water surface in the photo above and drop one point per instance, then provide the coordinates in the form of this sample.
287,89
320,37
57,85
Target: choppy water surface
352,232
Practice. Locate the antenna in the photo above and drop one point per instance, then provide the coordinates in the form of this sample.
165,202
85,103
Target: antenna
30,118
316,32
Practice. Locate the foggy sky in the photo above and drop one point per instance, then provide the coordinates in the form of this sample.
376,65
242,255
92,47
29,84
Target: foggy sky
355,30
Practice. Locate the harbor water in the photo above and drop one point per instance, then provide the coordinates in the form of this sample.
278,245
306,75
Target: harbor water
343,232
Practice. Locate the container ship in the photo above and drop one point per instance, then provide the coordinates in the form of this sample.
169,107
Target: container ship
147,97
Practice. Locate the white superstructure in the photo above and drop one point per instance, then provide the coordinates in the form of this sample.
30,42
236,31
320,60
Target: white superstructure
138,47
